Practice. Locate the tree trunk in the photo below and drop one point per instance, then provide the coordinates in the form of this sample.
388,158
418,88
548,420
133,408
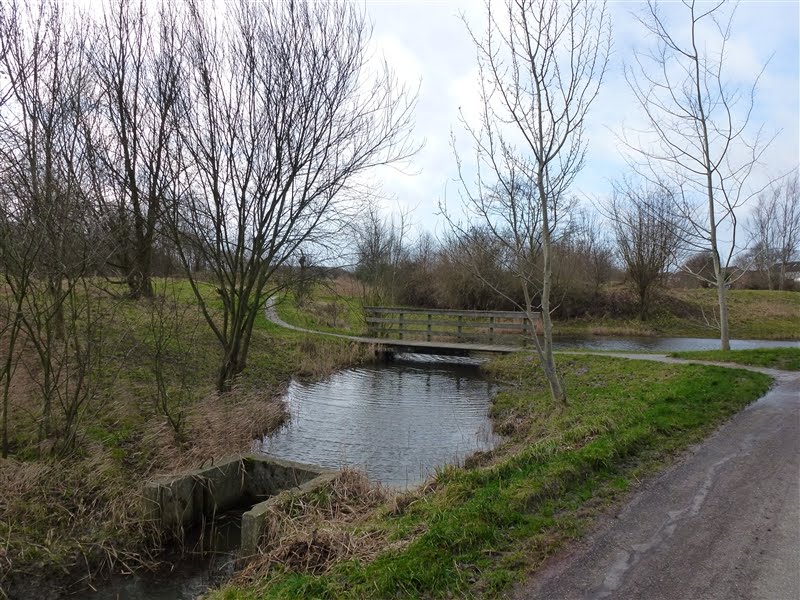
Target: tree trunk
56,296
722,300
232,365
548,361
643,304
139,278
724,335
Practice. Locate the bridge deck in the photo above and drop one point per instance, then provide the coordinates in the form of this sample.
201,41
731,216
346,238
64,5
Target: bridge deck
414,346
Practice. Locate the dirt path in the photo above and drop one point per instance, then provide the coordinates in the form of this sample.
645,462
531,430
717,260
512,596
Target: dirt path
723,523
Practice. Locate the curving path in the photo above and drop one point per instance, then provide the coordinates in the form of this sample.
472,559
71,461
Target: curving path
723,523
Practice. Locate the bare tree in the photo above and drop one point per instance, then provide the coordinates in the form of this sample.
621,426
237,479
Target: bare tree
763,253
137,64
380,250
595,250
279,118
48,244
172,338
648,231
697,120
775,229
541,64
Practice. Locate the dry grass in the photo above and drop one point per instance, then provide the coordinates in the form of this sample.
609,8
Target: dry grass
630,329
312,532
346,286
80,518
76,514
319,358
215,426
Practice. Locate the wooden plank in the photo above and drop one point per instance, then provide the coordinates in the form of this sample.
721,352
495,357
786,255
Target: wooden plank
443,336
508,314
451,324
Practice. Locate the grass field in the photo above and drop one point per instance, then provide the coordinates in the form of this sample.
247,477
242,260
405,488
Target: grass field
753,314
476,530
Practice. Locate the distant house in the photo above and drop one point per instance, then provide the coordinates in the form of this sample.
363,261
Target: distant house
793,270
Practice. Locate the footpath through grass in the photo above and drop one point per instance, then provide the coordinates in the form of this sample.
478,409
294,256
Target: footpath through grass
785,359
476,530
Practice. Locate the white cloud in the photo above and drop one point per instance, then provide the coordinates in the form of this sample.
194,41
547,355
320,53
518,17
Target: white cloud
427,40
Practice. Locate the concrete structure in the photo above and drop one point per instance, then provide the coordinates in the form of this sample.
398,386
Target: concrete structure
250,480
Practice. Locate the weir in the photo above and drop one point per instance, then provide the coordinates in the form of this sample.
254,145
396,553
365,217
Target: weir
249,480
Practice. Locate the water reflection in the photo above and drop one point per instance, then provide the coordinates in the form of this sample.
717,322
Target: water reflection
397,422
659,344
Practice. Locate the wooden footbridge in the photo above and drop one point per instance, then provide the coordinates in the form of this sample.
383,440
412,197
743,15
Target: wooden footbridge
430,331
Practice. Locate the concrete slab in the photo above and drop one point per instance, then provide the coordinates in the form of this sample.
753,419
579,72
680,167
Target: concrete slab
239,481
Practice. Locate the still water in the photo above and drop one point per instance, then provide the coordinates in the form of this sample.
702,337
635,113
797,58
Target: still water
397,422
658,344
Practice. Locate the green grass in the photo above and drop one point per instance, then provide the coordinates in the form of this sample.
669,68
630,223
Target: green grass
786,359
753,314
483,528
324,311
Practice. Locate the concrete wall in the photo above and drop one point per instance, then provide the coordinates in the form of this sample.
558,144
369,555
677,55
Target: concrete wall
235,482
254,520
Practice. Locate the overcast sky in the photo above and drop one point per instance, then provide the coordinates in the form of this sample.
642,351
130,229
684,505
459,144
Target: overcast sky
427,45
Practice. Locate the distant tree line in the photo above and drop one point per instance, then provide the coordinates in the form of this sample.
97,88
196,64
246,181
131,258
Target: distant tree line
635,239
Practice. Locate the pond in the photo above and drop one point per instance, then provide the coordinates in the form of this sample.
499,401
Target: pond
398,422
401,421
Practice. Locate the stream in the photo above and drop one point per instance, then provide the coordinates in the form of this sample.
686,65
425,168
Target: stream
399,422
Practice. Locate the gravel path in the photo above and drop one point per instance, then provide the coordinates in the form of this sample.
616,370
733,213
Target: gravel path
723,523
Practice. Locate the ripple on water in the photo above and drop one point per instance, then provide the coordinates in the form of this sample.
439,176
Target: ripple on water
397,422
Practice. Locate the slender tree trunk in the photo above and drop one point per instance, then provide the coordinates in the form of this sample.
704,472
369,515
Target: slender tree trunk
227,373
643,303
143,269
56,296
7,372
724,335
722,300
548,361
233,362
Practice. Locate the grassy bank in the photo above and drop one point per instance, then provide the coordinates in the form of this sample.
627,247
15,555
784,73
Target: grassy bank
65,519
476,530
786,359
754,314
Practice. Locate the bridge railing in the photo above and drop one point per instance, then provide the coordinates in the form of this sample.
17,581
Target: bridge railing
461,326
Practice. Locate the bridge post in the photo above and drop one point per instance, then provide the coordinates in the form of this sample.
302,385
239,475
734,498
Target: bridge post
400,331
460,321
429,327
491,330
525,322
